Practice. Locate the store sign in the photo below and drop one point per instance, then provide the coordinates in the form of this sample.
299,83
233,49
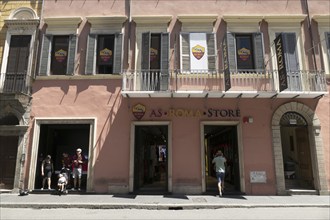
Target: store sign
139,111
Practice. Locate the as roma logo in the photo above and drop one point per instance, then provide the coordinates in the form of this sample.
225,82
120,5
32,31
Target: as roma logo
153,54
138,111
198,51
244,54
60,55
105,54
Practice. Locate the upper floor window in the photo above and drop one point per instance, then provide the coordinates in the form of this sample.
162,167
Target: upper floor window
155,61
155,50
198,52
58,55
18,56
245,51
104,54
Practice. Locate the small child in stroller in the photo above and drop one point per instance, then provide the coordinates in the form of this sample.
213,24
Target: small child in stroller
61,183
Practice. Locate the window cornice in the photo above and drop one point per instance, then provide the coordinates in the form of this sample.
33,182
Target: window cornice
242,19
105,20
285,19
323,20
152,19
197,18
63,21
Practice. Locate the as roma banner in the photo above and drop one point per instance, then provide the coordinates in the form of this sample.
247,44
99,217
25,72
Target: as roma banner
198,52
282,74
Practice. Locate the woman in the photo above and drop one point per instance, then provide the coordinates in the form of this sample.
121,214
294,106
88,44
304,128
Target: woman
47,169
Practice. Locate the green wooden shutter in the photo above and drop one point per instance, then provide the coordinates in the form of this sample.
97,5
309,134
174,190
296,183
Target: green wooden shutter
231,43
72,54
45,55
211,50
145,53
185,52
164,61
258,52
90,56
117,67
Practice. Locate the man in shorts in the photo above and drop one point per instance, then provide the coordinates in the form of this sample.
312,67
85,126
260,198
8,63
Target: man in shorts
77,162
219,162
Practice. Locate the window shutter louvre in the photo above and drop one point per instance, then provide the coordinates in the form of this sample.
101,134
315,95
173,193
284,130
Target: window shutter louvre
72,54
164,63
258,51
327,38
210,38
90,55
45,54
290,45
145,54
231,51
117,67
185,51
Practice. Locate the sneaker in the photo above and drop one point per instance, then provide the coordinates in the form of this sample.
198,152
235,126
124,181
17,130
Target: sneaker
220,194
72,188
42,188
78,189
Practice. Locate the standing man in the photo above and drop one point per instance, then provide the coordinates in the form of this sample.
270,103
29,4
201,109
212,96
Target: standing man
77,162
220,166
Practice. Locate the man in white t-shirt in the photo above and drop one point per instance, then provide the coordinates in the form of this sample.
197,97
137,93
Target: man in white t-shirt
220,166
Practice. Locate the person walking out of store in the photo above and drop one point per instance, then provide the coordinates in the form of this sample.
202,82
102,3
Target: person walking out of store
77,162
219,162
47,169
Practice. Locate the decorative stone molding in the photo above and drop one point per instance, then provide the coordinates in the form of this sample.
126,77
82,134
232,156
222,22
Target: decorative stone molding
152,19
315,145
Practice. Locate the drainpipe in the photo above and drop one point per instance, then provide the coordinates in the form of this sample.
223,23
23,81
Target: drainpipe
129,34
310,33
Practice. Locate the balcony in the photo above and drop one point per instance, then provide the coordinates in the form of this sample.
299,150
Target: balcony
17,83
244,84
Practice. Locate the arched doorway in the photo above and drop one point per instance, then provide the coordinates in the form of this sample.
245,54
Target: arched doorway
311,133
296,152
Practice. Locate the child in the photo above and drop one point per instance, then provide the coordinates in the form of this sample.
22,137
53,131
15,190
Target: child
61,183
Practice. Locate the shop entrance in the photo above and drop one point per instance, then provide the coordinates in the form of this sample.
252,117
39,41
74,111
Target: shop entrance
151,159
224,138
55,139
296,152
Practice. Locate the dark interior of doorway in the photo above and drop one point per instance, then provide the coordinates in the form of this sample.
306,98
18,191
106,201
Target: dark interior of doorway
150,159
55,139
224,138
8,155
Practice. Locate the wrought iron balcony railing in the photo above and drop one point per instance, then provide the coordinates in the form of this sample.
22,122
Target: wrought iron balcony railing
17,83
176,81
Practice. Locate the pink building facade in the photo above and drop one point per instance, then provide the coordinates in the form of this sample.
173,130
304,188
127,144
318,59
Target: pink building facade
150,90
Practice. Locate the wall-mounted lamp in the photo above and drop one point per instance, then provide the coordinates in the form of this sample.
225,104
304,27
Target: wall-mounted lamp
317,131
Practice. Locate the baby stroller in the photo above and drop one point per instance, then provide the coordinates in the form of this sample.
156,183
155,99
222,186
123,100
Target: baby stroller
62,183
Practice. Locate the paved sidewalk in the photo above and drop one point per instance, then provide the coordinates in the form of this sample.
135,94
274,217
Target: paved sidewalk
107,201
